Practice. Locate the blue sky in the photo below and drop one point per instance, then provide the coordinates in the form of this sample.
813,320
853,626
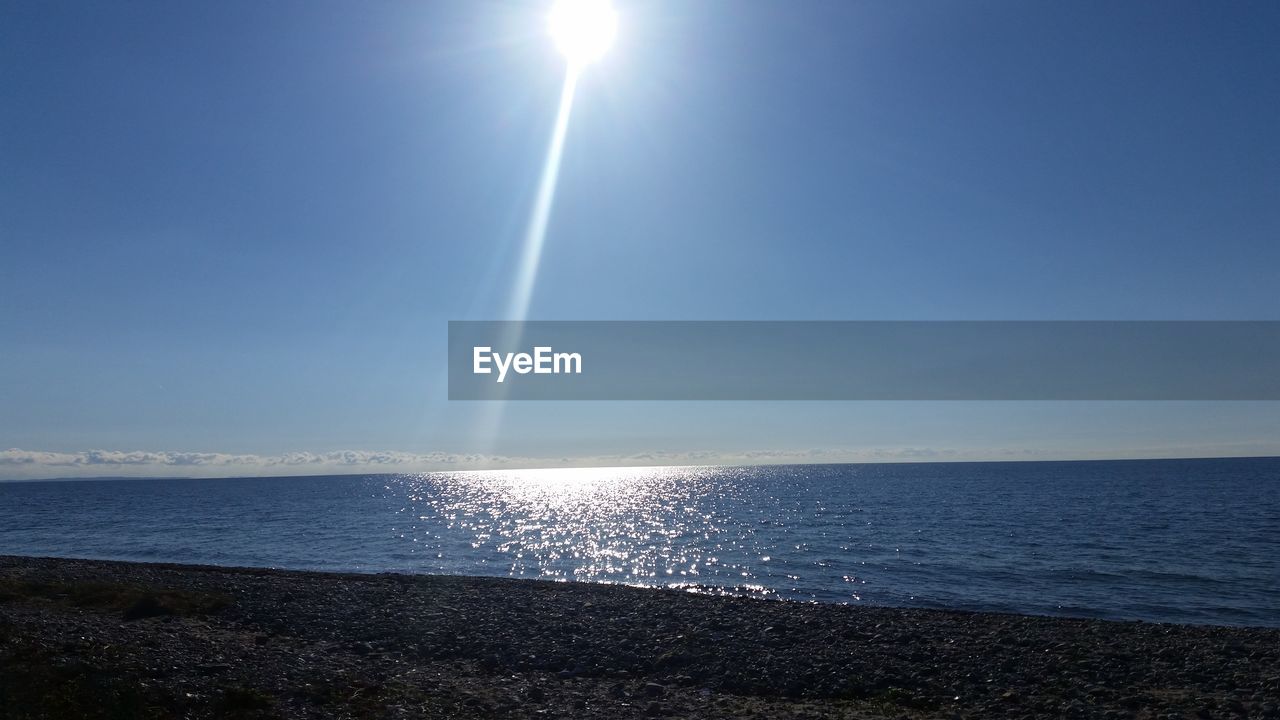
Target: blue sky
239,229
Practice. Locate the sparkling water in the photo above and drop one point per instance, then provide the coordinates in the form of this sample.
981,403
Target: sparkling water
1163,540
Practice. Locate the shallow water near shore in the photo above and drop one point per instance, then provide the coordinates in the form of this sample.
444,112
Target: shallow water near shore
1191,541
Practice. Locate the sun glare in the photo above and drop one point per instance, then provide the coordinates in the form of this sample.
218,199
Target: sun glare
583,29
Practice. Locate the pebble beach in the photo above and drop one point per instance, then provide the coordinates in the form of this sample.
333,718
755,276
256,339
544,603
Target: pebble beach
99,639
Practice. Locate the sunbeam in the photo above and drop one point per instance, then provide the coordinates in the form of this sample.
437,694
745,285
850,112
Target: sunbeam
490,421
583,30
535,235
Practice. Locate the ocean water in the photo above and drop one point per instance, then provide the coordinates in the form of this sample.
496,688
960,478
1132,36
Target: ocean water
1194,541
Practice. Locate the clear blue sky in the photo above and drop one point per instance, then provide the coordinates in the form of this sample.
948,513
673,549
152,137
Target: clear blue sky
241,227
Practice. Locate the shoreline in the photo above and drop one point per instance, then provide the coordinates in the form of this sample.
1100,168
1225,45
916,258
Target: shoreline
713,591
105,638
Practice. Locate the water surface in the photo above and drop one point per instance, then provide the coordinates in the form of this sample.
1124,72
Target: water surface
1170,540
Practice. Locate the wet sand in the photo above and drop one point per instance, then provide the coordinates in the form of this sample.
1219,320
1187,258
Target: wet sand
124,640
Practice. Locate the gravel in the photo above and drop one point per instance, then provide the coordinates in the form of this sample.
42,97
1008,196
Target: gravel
92,639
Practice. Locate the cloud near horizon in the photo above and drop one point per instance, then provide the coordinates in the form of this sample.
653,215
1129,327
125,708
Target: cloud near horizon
100,460
18,464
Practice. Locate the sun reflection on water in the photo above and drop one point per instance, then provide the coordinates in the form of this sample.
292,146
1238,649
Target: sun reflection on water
648,526
1008,537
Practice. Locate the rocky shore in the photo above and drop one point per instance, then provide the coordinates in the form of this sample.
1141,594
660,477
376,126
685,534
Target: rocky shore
95,639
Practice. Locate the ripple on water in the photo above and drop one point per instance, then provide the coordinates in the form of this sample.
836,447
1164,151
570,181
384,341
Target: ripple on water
1097,539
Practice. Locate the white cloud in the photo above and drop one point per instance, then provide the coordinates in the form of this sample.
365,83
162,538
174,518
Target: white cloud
17,464
36,463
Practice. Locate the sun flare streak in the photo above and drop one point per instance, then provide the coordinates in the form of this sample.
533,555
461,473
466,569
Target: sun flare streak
583,30
536,232
490,421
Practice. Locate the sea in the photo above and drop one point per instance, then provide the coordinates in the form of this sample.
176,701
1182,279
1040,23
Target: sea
1185,541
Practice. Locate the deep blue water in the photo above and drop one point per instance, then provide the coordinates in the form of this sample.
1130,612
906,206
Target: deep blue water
1193,541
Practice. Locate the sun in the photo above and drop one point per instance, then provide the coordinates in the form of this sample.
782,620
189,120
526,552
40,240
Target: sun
583,29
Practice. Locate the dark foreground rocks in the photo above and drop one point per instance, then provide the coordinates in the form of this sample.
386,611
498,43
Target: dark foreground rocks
91,639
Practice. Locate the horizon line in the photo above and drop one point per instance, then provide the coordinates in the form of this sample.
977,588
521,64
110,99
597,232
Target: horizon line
106,478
